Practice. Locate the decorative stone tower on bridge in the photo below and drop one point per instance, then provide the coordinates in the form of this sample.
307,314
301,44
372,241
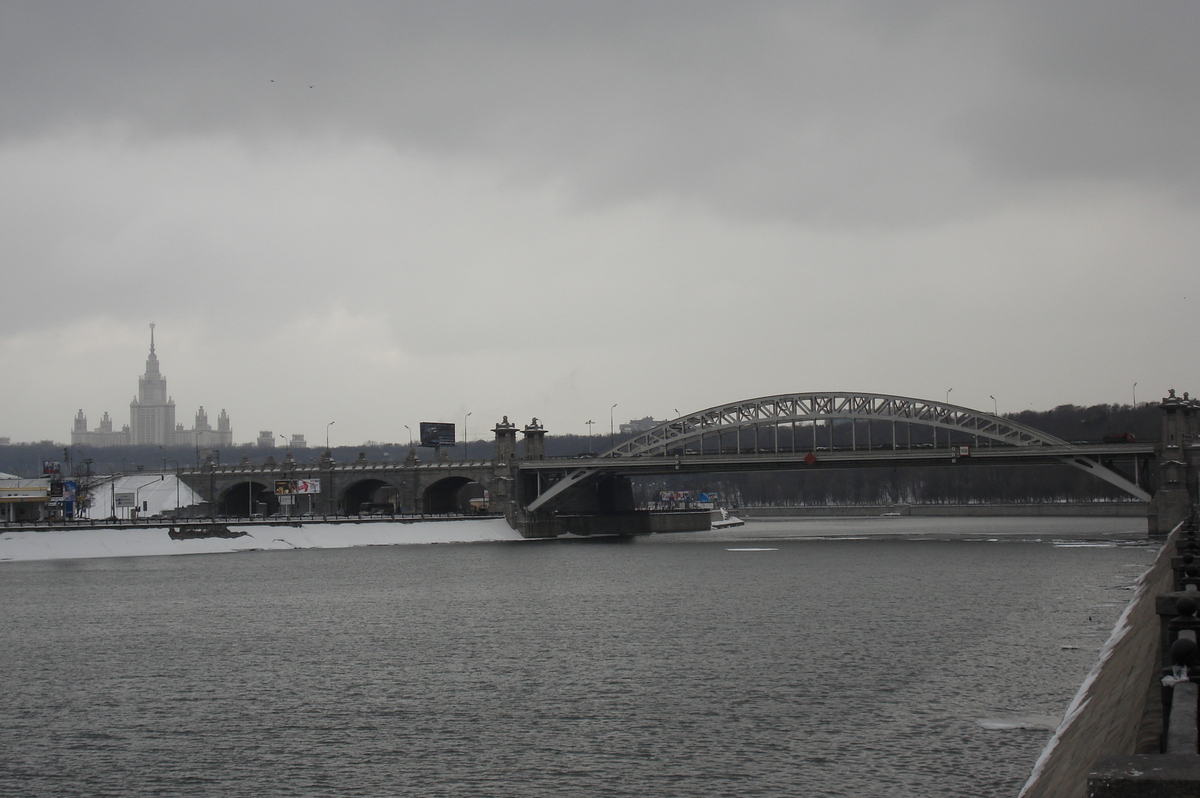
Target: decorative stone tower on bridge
1177,460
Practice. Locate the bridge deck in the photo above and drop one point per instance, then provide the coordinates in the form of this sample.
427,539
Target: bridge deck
844,458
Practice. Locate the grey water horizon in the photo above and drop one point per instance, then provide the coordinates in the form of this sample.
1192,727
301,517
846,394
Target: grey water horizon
824,658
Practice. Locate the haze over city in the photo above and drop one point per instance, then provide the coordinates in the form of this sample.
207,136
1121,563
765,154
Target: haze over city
379,214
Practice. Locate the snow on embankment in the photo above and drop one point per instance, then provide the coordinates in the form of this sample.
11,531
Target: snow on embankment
67,544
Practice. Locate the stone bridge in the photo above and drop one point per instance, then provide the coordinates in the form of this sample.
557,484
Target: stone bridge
409,487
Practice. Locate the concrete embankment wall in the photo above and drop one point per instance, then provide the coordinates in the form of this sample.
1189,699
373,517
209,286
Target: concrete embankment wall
1106,714
1113,510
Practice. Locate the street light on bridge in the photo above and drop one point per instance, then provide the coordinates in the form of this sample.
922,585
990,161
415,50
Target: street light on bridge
589,423
327,426
197,440
612,429
468,415
995,406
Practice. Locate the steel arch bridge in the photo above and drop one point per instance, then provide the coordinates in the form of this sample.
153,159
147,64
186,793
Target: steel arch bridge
813,415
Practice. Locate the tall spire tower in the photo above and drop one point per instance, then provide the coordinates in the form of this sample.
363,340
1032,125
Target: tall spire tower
152,413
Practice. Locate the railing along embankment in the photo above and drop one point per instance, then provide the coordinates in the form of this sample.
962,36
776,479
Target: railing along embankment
1113,741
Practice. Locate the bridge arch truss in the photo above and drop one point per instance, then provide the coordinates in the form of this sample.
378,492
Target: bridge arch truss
812,414
813,408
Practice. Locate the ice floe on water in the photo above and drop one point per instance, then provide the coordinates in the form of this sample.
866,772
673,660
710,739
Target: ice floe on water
1044,722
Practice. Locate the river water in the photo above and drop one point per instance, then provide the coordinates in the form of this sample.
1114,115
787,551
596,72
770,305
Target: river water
898,657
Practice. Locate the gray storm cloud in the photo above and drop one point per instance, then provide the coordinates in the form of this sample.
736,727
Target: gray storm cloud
858,113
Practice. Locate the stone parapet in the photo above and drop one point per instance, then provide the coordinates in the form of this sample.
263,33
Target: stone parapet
1153,776
1105,717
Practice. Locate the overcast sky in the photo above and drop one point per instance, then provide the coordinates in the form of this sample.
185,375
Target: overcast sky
385,213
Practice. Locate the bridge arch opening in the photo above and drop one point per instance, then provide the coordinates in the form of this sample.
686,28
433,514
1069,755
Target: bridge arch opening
371,497
244,499
451,495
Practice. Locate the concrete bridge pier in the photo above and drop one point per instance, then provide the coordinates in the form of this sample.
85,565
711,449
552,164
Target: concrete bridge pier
511,489
503,496
603,506
1177,461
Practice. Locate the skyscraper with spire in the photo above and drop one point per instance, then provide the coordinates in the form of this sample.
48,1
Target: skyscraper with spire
152,412
152,418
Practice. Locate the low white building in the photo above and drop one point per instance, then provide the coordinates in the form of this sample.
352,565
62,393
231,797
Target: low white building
23,499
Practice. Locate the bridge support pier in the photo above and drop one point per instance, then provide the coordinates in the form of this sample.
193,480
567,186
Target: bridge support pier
1177,460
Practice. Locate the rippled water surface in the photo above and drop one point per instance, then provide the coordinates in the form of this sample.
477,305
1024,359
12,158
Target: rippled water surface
665,666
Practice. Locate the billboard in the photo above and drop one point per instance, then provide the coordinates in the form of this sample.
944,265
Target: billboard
289,487
51,467
435,434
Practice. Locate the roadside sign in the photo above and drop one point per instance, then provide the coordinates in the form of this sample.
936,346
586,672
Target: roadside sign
286,487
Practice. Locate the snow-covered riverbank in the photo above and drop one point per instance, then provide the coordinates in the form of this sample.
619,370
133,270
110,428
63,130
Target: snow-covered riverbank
66,544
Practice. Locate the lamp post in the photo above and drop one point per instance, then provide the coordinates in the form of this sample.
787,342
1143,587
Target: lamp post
198,439
468,415
285,440
177,502
612,430
995,406
1135,396
176,462
589,423
948,390
410,438
87,482
137,491
327,426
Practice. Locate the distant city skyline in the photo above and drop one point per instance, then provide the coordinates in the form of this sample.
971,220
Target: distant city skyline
152,413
